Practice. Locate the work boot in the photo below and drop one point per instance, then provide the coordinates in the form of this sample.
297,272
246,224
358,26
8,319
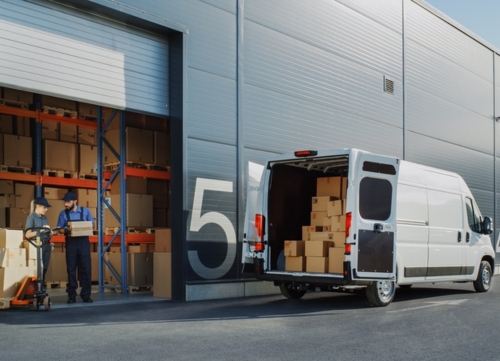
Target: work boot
87,300
71,299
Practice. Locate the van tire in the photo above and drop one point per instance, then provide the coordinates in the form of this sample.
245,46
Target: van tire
484,277
289,292
380,293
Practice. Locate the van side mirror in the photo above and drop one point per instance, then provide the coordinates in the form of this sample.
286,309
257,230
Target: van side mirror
487,226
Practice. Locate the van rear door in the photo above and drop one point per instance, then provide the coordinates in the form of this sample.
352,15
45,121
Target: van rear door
374,223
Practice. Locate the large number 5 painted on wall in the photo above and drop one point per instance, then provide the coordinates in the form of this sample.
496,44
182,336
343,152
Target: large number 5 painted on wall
198,221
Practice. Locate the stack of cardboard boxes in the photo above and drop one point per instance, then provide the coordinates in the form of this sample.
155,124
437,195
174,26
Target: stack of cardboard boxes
321,249
162,277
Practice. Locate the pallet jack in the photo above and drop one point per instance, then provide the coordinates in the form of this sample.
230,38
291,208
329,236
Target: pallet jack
33,290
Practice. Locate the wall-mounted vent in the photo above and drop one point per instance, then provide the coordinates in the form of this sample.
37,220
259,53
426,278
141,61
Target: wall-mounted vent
388,85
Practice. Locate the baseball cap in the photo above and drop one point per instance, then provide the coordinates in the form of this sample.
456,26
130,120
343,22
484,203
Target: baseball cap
42,202
70,196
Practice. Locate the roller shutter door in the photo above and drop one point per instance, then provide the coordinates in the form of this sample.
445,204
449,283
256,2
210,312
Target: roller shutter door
55,50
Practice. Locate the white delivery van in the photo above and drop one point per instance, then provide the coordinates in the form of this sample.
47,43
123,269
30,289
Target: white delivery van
340,219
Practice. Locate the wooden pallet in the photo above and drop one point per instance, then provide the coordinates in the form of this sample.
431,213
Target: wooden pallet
87,176
8,168
148,166
109,231
13,103
60,112
87,117
60,173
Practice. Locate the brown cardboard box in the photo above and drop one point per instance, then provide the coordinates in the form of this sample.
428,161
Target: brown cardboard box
68,133
58,102
1,149
23,156
87,135
317,264
54,193
336,260
321,236
23,126
338,239
134,248
329,186
11,238
81,228
163,240
87,197
11,279
3,217
6,124
94,266
317,218
157,124
88,159
139,210
50,130
139,268
18,95
57,205
30,250
317,248
295,264
54,160
335,208
159,189
319,204
16,218
12,257
135,185
8,201
337,223
161,148
294,248
57,271
6,187
162,275
139,145
160,217
86,111
343,191
25,193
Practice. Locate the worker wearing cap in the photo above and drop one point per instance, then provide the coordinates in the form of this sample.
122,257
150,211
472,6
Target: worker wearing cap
37,219
77,249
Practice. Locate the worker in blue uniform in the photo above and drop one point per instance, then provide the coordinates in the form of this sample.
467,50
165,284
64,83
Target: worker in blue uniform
77,249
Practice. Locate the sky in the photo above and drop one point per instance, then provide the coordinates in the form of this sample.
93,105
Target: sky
479,16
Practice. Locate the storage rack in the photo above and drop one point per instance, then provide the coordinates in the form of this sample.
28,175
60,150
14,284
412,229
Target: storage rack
104,179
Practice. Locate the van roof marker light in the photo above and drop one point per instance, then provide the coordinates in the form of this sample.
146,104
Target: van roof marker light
306,153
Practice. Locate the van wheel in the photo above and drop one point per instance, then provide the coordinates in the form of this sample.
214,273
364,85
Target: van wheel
290,292
483,280
380,293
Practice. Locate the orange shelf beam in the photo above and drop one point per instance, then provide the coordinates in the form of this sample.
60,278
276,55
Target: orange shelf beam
67,120
145,173
18,177
68,182
18,112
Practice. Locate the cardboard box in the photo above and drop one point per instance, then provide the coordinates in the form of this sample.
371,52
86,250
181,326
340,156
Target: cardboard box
336,259
6,187
329,186
25,193
317,218
11,279
163,240
23,156
1,149
161,148
6,123
87,197
50,130
87,159
54,193
12,257
134,248
3,217
139,145
139,268
317,248
135,185
16,218
54,160
335,208
94,266
337,223
338,239
30,251
139,211
321,236
343,191
81,228
162,274
159,189
160,217
57,271
54,102
68,133
317,264
87,111
87,136
23,126
18,95
157,124
11,238
8,201
295,264
294,248
319,204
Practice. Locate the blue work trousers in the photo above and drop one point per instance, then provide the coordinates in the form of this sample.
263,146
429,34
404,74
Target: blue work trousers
78,256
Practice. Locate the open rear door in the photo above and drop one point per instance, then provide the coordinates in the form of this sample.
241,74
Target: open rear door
375,222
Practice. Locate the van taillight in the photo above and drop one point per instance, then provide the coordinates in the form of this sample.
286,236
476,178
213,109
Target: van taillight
259,225
348,223
348,248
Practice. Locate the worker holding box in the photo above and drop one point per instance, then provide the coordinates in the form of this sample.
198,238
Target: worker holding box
77,248
37,219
